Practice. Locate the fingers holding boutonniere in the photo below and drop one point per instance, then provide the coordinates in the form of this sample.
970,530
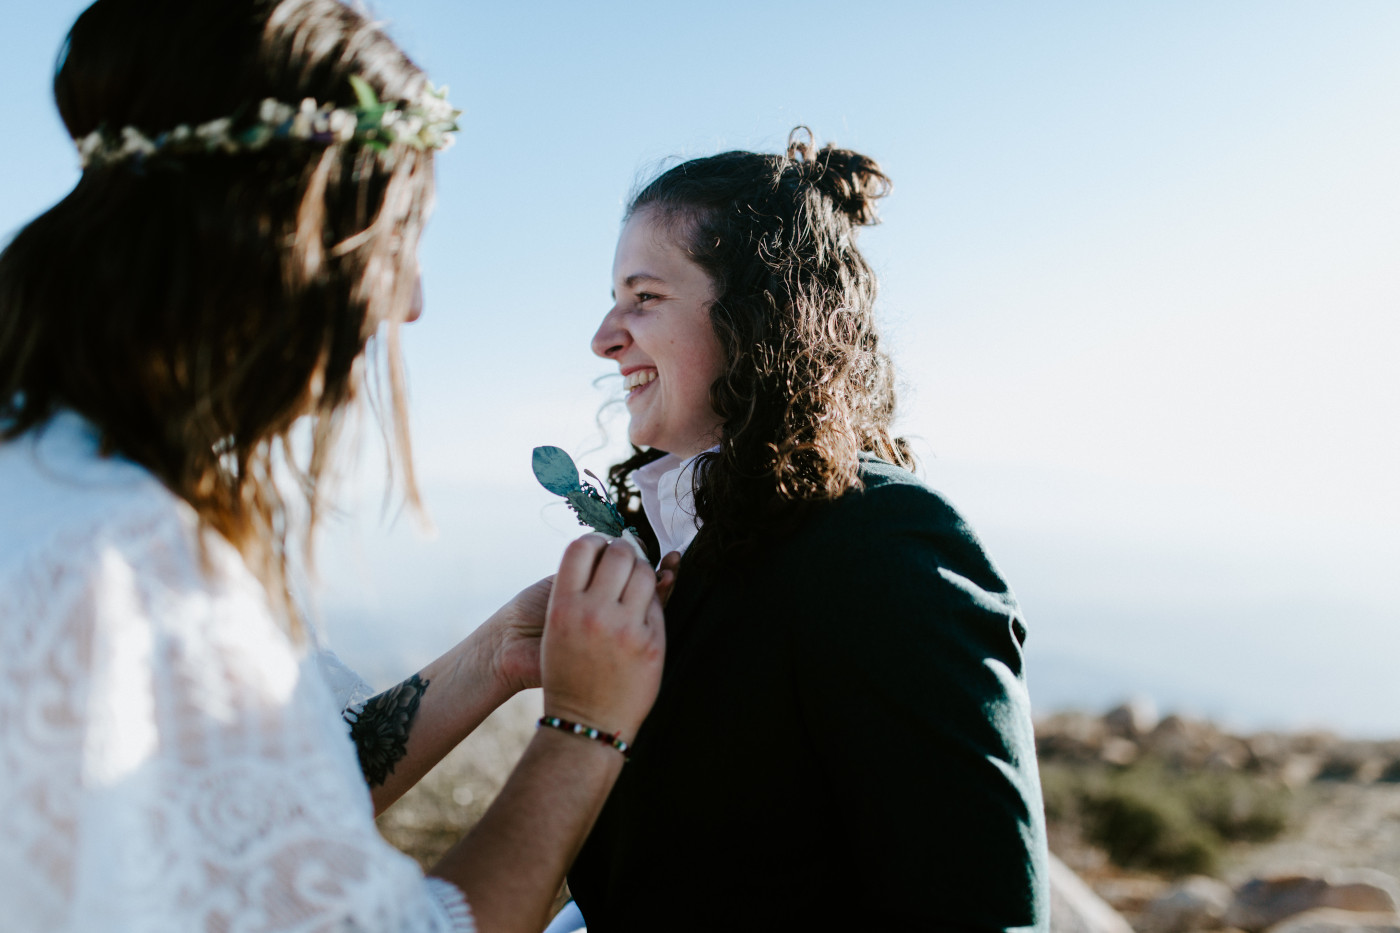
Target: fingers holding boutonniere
602,651
666,574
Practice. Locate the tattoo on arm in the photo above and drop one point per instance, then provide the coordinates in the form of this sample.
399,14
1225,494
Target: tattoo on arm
380,729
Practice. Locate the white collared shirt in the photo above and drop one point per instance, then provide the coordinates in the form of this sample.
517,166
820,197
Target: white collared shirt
667,487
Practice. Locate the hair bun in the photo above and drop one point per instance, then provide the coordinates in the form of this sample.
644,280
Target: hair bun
852,181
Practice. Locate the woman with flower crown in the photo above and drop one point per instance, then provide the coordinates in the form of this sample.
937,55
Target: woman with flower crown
174,755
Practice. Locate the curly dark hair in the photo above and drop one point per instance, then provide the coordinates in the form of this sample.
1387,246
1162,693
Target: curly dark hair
805,386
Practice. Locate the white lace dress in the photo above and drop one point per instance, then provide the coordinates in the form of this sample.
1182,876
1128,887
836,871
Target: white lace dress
169,761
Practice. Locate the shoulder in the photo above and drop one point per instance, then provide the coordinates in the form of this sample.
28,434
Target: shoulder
896,518
894,554
888,494
58,490
103,535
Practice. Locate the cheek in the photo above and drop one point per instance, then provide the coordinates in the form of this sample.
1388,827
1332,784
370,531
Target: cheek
704,370
712,364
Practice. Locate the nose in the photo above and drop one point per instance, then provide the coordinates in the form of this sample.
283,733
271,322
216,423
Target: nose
612,337
415,309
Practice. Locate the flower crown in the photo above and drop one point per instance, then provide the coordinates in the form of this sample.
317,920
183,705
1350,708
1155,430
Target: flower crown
424,124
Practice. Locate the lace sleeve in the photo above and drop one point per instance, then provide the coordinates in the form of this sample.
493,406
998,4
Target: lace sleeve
349,688
170,764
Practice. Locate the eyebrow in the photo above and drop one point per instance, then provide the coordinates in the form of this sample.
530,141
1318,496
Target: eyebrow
636,277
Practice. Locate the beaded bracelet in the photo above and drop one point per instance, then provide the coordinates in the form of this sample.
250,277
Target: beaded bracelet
587,732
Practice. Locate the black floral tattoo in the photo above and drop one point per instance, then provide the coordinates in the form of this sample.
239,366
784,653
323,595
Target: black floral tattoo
380,728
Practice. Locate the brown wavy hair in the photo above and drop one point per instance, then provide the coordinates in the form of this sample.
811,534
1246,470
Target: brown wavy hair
196,308
805,386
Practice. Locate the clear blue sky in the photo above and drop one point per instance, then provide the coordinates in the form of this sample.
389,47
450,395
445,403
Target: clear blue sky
1140,273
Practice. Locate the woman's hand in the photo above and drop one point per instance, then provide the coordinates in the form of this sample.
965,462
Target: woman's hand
604,637
600,656
515,631
666,576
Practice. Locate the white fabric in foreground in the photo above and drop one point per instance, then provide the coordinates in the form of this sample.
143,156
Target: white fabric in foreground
168,760
349,689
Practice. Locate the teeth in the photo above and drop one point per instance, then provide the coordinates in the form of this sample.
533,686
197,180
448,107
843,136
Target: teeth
640,378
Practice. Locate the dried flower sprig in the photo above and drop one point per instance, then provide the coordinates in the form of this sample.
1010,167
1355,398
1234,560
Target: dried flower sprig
556,471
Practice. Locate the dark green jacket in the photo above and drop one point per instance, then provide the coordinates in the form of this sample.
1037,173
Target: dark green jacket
842,740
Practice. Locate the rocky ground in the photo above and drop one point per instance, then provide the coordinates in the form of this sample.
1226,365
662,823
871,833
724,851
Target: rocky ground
453,796
1290,833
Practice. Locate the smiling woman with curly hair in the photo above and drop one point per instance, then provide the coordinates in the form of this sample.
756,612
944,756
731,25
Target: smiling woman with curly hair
843,737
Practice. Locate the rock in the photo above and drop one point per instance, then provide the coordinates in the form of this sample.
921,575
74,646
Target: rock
1300,769
1119,751
1360,890
1070,736
1332,920
1357,762
1198,903
1229,754
1074,908
1129,896
1341,766
1133,719
1263,902
1268,751
1185,743
1316,742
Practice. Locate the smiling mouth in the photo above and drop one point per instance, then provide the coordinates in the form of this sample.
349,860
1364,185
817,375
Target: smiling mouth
638,380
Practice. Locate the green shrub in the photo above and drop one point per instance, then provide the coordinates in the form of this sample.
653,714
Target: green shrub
1146,816
1061,787
1239,808
1149,830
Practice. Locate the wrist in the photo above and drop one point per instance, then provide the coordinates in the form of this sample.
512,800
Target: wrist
501,680
583,756
492,650
475,667
584,731
590,715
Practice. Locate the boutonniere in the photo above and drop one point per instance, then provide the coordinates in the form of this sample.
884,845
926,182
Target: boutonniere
556,471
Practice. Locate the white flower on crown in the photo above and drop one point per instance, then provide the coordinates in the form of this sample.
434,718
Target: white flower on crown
214,134
301,123
435,106
408,129
89,145
135,144
275,112
343,124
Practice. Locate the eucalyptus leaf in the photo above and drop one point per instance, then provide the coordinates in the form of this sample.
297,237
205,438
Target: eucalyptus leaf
597,512
555,470
364,94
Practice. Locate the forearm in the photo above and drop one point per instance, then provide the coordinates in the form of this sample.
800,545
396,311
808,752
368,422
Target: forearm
512,863
406,730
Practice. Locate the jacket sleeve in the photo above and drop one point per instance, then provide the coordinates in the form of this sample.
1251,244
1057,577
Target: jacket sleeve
907,653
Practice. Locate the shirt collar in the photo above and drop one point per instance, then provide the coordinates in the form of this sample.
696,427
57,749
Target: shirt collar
667,487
